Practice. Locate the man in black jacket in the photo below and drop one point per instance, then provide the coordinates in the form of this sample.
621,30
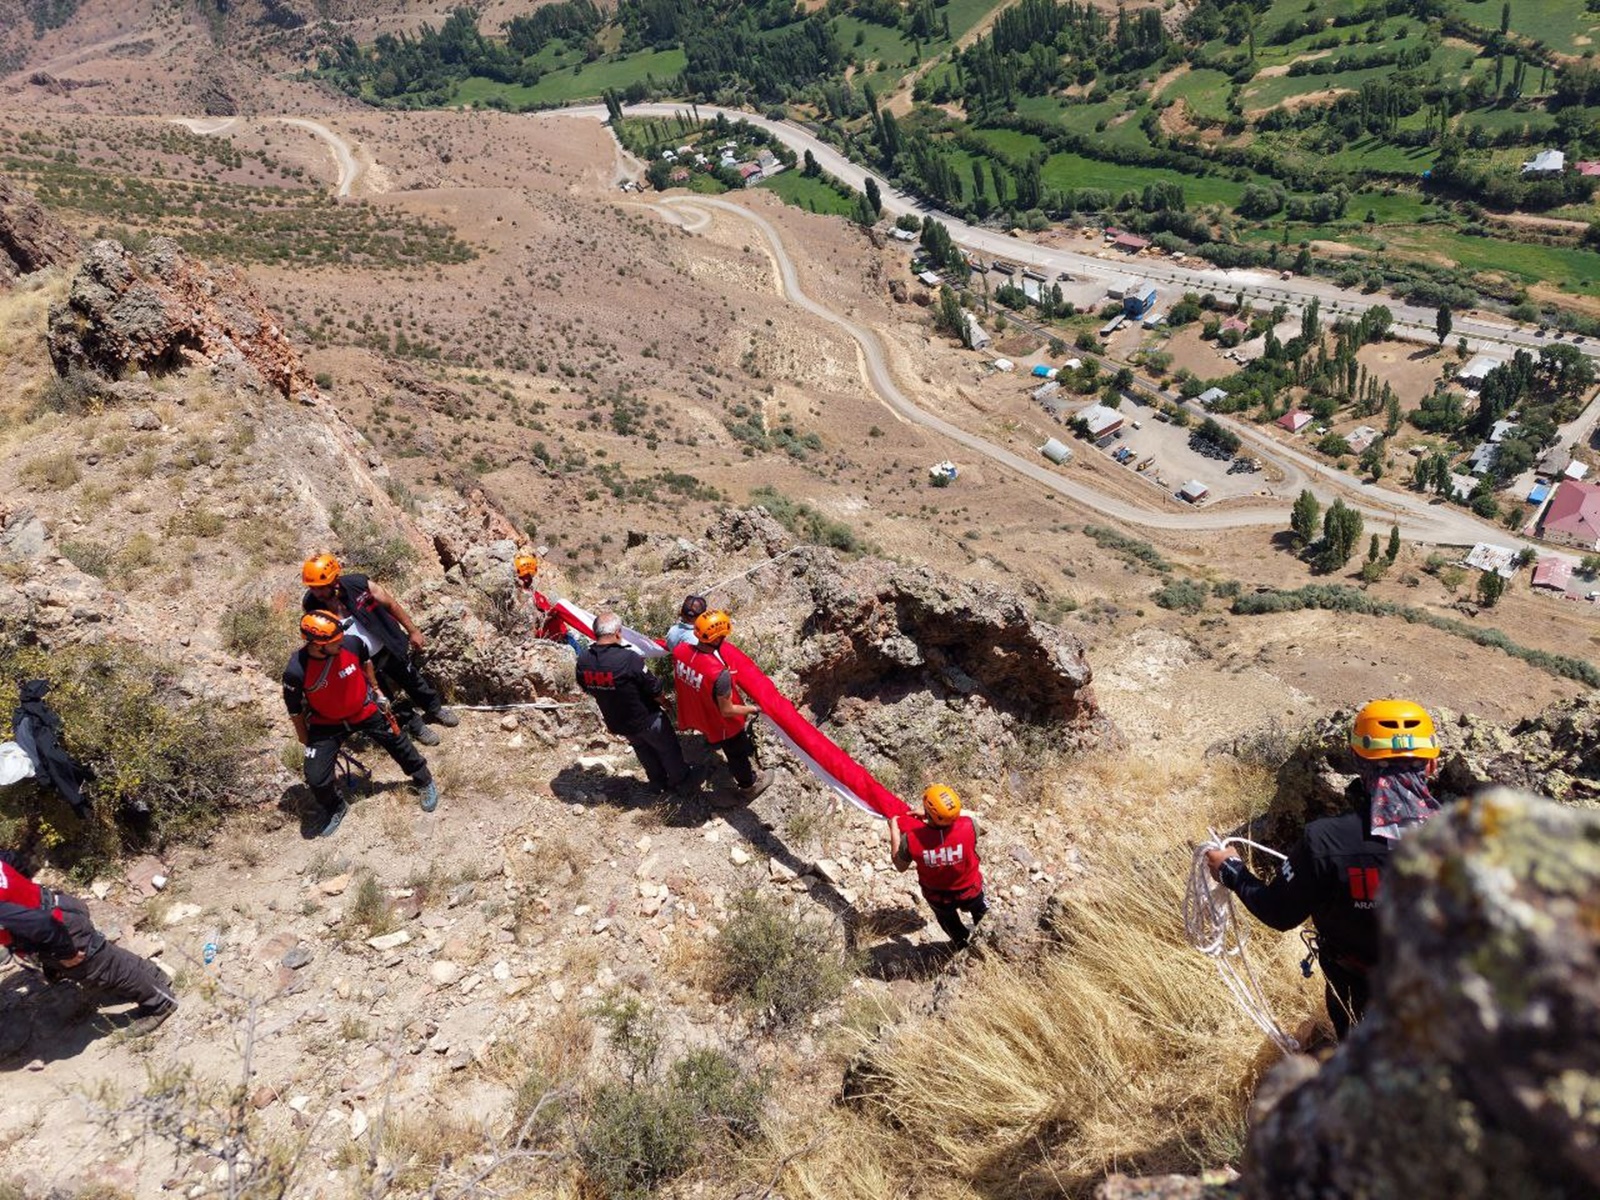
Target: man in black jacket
1335,873
633,703
54,930
375,617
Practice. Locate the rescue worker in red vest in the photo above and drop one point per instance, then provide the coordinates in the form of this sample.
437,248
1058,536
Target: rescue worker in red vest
943,845
372,615
54,931
1334,875
709,701
332,693
551,624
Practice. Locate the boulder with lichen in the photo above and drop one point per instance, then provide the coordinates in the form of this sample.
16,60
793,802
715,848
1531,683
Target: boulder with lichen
1476,1073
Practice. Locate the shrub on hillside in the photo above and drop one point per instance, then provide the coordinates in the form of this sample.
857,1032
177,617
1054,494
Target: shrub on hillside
641,1129
783,970
1185,595
368,547
258,628
165,767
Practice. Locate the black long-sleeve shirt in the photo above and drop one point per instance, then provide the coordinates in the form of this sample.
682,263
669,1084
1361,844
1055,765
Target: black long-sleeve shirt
33,930
1332,876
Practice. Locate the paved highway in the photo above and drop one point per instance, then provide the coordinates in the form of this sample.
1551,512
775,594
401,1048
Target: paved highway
1410,320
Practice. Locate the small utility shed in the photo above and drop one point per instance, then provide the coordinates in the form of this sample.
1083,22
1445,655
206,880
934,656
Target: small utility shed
1194,491
1211,395
1056,452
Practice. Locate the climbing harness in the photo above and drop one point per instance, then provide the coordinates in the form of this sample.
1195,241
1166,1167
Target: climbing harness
1212,923
353,773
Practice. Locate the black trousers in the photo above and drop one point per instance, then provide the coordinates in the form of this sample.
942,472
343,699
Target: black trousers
322,755
947,912
107,965
1347,992
402,681
659,752
739,750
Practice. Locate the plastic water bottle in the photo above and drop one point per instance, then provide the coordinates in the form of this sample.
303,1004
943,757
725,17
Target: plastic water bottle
209,953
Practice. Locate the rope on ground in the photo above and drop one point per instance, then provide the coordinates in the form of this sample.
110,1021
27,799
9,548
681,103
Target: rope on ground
707,589
541,704
1211,921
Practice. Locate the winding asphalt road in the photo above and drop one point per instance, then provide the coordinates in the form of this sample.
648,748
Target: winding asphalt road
1418,520
1413,322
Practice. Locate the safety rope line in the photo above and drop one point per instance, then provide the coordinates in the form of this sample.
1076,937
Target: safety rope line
707,589
1211,921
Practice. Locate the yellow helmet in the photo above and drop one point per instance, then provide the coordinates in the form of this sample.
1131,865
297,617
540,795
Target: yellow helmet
526,566
940,804
712,626
320,570
1394,729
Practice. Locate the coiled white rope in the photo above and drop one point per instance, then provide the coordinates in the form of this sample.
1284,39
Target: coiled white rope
1211,921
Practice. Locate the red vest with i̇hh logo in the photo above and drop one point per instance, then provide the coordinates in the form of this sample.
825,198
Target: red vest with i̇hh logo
336,689
694,679
16,888
946,856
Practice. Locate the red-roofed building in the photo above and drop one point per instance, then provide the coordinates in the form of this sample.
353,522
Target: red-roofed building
1553,573
1573,518
1589,168
1130,242
1295,420
750,173
1235,325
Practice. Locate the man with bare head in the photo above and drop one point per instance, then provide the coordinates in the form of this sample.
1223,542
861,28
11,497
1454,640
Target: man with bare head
632,703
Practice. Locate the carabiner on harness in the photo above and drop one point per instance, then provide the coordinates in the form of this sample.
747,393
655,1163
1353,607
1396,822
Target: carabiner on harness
1313,952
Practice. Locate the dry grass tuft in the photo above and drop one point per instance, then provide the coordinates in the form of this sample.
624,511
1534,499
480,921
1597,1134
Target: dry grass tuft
1121,1051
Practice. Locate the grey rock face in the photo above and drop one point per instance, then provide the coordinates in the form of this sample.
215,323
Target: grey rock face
1477,1071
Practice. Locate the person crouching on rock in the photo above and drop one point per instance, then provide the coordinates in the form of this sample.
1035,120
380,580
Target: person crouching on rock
1335,873
943,845
550,623
54,930
709,701
331,692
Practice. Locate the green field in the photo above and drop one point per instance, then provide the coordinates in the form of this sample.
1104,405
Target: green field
964,14
1573,270
564,86
1206,93
1557,23
888,49
813,195
1063,171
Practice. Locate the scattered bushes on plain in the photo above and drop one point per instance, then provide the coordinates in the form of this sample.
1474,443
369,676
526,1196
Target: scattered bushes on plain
258,628
1338,598
1130,548
800,519
367,547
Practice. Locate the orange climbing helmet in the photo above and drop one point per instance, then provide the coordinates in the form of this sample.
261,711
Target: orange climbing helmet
321,628
320,570
1394,729
526,566
940,804
711,627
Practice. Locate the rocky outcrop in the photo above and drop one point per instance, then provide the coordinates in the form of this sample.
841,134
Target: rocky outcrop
922,666
1477,1071
30,238
161,311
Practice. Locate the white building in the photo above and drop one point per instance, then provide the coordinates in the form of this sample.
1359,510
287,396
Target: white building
979,339
1546,161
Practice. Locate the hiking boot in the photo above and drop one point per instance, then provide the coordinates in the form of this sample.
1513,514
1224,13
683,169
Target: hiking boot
420,733
762,782
335,818
693,779
445,716
149,1018
428,795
